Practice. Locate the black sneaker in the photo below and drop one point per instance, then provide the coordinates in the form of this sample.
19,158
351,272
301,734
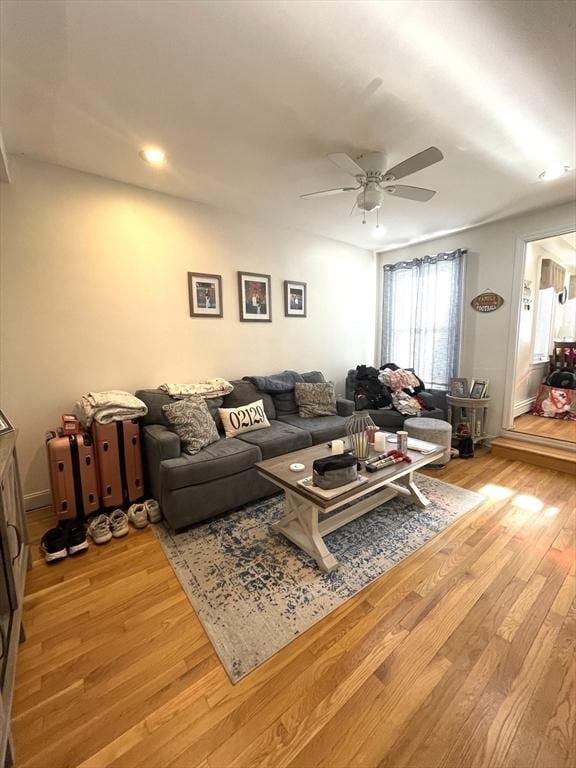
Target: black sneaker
53,545
75,534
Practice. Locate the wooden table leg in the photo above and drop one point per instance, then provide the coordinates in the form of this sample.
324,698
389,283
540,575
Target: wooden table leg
415,493
300,525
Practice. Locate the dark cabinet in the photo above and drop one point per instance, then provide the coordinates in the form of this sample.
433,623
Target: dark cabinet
14,562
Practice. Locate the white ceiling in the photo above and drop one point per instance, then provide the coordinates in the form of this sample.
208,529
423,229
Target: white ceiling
249,97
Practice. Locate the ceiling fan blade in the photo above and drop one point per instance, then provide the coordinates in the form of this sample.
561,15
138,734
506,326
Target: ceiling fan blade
326,192
345,162
411,193
415,163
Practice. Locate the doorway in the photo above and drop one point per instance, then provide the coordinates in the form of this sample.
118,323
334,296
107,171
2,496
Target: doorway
544,390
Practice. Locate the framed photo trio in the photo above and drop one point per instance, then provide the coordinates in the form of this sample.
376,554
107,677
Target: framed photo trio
295,299
254,297
205,294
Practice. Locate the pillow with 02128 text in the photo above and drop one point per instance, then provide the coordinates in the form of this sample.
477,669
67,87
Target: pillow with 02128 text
245,418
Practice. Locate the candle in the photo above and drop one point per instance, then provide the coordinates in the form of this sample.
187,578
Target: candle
380,442
337,446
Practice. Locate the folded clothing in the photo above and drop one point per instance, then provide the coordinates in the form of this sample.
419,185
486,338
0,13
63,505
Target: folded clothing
278,382
406,404
110,405
209,388
399,379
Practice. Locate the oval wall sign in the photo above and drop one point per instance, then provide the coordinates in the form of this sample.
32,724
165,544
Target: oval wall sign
487,302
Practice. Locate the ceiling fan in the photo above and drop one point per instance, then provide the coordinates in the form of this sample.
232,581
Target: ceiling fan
374,182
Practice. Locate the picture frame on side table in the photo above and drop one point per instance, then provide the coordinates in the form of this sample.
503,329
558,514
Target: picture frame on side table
459,387
295,299
5,425
254,297
478,389
205,294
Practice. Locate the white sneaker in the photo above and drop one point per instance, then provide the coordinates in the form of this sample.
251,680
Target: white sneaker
138,516
153,510
99,529
119,523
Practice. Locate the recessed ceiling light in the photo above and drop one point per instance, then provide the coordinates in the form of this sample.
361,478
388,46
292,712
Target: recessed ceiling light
153,156
554,172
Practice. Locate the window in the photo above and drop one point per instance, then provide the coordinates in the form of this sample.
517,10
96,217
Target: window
422,301
543,325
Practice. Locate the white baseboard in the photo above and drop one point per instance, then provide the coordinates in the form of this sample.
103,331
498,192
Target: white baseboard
36,500
523,406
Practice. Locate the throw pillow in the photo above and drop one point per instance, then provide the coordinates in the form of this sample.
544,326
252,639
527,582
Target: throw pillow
245,418
192,422
315,399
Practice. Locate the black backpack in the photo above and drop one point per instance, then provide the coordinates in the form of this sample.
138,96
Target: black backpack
565,378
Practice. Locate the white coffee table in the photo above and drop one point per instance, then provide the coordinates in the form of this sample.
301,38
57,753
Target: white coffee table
309,517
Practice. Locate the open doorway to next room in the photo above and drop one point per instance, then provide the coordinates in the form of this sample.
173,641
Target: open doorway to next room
545,375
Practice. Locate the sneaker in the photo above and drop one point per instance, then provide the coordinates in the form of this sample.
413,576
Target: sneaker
153,510
75,534
99,529
53,545
118,523
138,516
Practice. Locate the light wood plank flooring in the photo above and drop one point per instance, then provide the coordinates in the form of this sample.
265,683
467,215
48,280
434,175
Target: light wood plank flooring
559,429
460,657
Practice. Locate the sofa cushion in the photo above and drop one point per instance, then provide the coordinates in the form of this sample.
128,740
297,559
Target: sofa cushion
226,457
285,402
244,393
245,418
278,439
321,428
315,399
155,399
192,422
313,377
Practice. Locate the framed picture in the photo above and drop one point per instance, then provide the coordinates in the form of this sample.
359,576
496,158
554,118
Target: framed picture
5,425
295,299
205,294
254,297
459,387
479,388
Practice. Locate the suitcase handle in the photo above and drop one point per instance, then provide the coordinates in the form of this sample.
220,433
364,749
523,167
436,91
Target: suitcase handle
88,460
18,539
105,445
60,466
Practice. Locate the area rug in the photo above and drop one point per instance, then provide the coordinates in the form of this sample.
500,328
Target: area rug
255,592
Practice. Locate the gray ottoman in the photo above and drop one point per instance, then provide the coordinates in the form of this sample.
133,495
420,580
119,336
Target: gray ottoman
433,431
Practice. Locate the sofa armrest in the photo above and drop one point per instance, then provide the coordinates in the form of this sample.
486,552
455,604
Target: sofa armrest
435,399
344,407
162,441
159,444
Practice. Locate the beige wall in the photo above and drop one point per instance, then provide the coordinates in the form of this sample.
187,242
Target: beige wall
490,265
94,296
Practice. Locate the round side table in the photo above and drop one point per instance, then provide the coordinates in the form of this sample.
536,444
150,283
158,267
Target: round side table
471,411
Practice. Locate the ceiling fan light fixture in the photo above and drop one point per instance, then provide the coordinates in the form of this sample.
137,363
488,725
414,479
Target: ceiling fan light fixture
370,198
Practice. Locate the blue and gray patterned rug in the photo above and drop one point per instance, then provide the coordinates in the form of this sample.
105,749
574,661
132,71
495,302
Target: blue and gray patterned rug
255,592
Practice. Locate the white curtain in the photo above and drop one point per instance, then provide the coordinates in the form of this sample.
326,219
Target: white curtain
421,316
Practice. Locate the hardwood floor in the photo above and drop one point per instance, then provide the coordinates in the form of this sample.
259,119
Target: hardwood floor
559,429
460,657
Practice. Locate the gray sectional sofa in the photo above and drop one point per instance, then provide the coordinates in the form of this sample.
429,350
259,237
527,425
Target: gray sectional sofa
223,475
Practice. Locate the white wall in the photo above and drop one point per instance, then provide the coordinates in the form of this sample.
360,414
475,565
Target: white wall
94,296
490,265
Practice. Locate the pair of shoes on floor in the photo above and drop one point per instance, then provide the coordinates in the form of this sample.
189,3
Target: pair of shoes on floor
141,514
103,528
68,538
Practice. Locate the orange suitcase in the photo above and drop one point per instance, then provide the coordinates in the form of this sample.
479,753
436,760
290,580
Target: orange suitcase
119,461
73,476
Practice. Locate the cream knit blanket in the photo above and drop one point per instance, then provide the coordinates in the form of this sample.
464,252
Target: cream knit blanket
111,405
209,388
